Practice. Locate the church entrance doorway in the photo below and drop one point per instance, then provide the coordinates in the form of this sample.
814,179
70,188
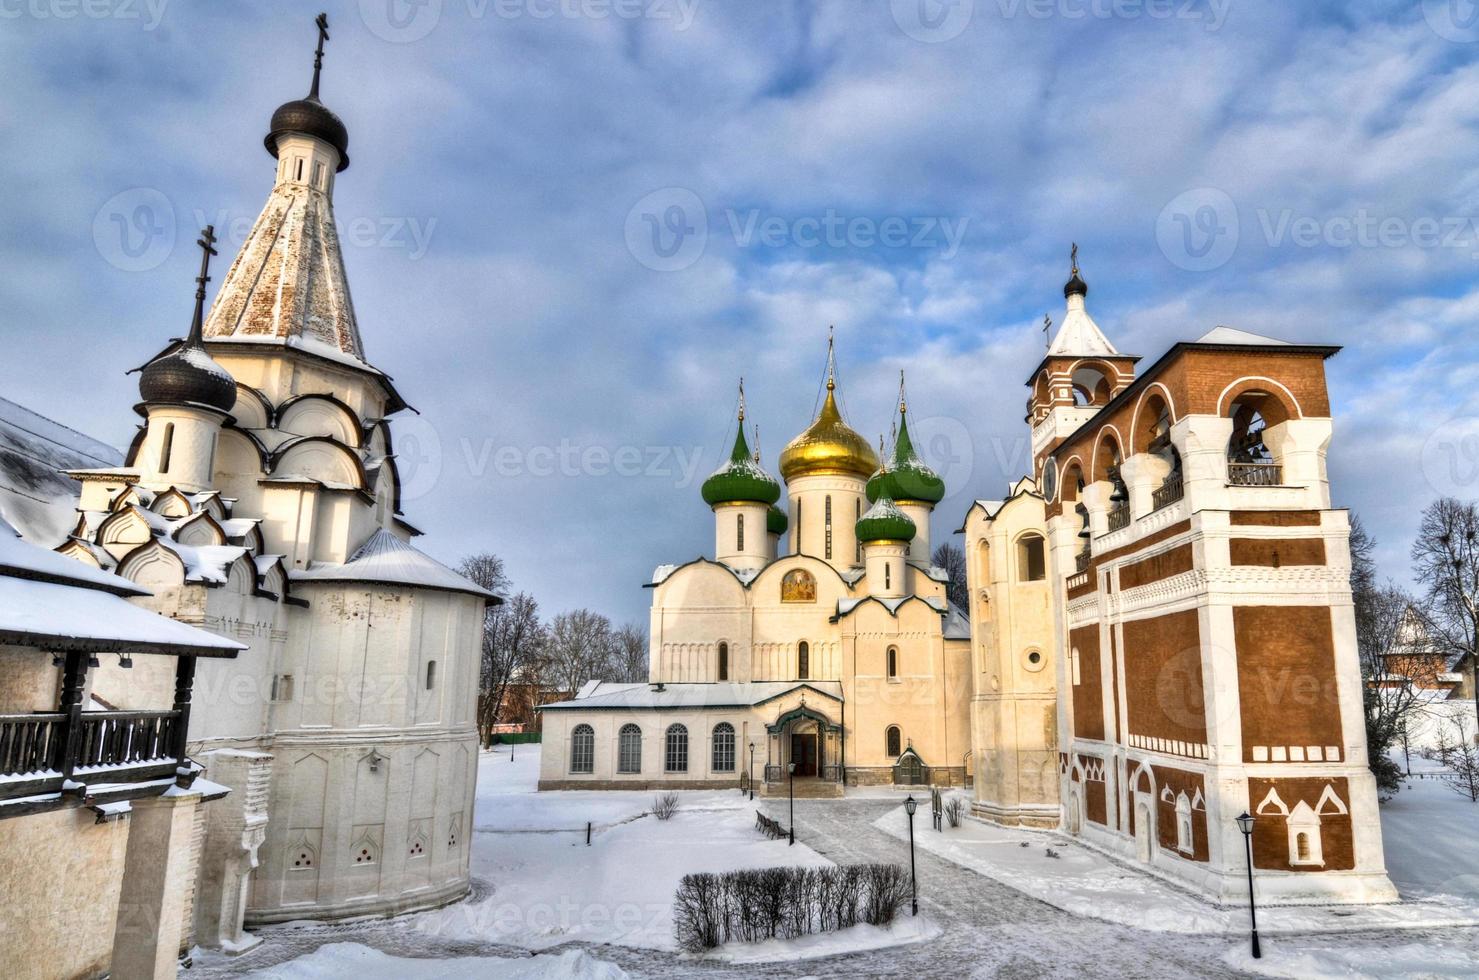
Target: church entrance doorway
804,753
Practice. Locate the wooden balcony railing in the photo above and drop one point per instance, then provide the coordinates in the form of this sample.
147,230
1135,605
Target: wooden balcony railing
1172,490
124,738
1119,517
32,744
109,746
1255,474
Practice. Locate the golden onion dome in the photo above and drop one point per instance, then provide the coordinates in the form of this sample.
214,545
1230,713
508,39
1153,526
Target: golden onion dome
828,445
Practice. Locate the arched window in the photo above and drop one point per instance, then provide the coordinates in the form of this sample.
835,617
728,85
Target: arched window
629,749
676,757
739,532
1302,847
888,575
167,448
723,661
796,531
1032,562
827,520
893,662
1184,840
803,661
893,742
723,760
858,516
1250,462
583,749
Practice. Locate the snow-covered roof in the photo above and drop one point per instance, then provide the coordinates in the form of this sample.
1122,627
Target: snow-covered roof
19,559
846,606
1232,335
386,558
600,695
1078,335
52,602
957,627
37,497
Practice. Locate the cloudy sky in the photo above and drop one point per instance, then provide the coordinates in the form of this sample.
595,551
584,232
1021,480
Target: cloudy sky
570,225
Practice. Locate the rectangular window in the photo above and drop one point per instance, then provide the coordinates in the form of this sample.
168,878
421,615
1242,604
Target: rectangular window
300,170
739,532
282,687
796,532
318,175
167,449
431,674
827,520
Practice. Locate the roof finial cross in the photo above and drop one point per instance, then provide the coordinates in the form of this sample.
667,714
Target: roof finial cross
322,21
206,241
831,360
757,442
1047,326
742,402
1073,258
903,407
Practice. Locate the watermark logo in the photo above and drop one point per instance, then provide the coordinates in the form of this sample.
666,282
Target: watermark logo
1198,230
400,21
1212,13
148,13
667,230
1453,20
404,21
831,229
418,456
1450,457
933,21
945,445
135,230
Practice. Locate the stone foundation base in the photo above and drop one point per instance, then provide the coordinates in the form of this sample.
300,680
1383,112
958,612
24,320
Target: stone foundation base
884,776
638,784
1040,816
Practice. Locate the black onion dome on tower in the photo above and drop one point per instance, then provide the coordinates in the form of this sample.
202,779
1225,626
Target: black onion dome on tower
310,116
185,374
1075,285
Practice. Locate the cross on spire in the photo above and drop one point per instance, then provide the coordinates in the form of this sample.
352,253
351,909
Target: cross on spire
742,403
757,442
902,405
1047,327
831,360
206,241
322,21
1073,258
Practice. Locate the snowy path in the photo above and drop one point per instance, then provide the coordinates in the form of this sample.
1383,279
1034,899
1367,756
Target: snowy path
986,928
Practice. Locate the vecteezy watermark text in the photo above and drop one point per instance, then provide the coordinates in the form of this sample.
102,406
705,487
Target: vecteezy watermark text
147,12
404,21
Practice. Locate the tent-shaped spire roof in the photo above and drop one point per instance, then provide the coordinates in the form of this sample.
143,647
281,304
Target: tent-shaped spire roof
1078,335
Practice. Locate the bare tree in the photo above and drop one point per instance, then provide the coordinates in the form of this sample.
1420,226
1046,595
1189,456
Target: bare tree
581,646
513,643
1460,755
949,557
1445,561
1397,665
486,569
631,654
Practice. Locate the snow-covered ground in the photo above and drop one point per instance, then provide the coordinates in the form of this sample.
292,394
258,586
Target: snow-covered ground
546,905
339,960
546,887
1086,882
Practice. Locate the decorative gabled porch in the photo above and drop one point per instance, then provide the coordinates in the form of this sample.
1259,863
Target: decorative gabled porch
804,754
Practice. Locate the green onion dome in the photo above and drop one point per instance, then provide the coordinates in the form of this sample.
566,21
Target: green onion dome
885,522
741,479
776,520
905,476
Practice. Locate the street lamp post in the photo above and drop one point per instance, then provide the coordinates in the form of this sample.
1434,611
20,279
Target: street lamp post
910,805
1245,824
752,772
791,782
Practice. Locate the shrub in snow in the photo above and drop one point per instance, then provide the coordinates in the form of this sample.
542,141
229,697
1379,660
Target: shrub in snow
954,810
756,904
1459,752
665,805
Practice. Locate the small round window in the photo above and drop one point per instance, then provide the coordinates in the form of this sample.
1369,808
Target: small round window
1034,660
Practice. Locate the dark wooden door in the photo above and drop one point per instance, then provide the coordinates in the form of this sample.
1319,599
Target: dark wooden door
804,754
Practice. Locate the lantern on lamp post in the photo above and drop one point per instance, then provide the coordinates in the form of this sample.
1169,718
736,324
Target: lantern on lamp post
910,805
1245,824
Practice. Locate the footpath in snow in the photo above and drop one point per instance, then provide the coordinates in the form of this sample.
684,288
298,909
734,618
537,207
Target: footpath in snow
540,885
1085,882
